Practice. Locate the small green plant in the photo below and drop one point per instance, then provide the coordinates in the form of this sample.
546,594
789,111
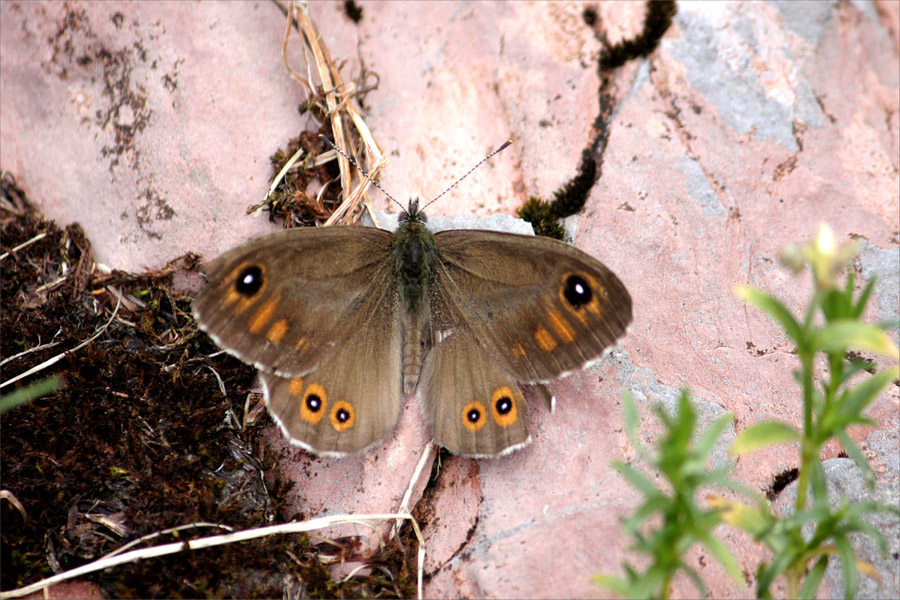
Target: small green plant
830,327
801,543
684,522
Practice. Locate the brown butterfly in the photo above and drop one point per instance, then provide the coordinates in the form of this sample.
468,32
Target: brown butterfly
343,321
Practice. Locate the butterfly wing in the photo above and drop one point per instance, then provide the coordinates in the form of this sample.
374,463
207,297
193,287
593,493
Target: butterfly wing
524,309
473,408
351,399
541,307
316,311
283,302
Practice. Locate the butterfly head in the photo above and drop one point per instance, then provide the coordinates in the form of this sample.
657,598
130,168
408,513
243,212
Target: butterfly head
412,214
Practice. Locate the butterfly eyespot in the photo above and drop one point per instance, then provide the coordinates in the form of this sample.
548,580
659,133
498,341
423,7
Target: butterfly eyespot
312,405
249,281
503,406
577,291
474,416
342,415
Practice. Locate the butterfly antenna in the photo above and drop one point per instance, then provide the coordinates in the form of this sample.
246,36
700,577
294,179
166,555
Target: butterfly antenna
469,172
363,171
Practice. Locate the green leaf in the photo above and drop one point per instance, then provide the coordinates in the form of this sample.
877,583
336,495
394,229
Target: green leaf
817,483
768,573
761,435
863,299
698,581
855,400
819,514
771,306
637,479
842,334
856,454
653,505
738,514
703,447
848,565
837,304
632,422
616,585
721,553
814,578
29,393
856,365
687,419
762,592
857,523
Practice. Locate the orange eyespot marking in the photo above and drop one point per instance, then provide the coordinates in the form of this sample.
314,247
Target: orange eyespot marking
579,293
518,351
474,416
264,315
241,303
602,294
342,415
277,330
247,282
312,405
560,326
544,339
232,296
504,407
295,386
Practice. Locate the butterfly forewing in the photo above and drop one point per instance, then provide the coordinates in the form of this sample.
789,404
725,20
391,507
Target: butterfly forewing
284,301
541,307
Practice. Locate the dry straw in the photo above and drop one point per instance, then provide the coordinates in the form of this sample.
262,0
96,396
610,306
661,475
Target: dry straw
338,105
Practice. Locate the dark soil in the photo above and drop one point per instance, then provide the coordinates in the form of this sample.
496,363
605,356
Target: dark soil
139,437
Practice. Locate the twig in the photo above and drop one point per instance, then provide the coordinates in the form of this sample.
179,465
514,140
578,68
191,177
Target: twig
219,379
218,540
51,284
131,303
339,107
36,238
284,48
322,64
277,181
59,357
156,534
11,498
417,474
29,351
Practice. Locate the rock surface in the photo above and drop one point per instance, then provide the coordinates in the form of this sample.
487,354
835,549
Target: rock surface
152,124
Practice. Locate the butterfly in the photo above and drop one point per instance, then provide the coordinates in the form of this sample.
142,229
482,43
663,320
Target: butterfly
344,322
